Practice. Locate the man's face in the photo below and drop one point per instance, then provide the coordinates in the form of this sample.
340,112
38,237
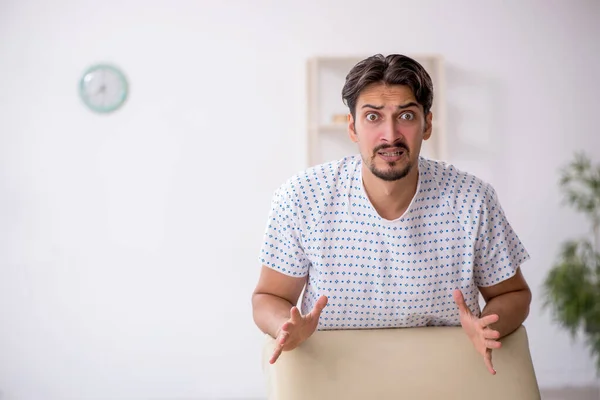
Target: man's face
389,128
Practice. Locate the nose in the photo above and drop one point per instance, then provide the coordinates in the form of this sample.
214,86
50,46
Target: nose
390,132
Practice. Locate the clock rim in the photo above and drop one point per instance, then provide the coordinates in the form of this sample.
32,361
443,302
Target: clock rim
117,104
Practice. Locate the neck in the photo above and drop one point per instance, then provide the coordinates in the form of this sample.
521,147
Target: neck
390,199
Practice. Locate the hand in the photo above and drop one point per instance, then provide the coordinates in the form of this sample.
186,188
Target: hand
483,338
297,329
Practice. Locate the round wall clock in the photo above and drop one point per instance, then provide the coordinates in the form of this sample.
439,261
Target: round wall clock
103,88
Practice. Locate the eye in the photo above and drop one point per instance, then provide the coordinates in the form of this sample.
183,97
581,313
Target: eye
372,117
407,116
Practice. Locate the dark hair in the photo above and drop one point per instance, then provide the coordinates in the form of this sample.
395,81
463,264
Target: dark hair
395,69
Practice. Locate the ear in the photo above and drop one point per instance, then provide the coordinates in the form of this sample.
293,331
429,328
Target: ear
352,129
428,126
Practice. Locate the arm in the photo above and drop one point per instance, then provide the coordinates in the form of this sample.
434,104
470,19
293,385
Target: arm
507,307
498,254
284,273
272,299
275,312
510,300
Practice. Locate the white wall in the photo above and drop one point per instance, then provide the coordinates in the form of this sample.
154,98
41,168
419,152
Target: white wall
128,243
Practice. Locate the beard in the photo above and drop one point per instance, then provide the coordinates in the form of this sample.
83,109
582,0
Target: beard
397,169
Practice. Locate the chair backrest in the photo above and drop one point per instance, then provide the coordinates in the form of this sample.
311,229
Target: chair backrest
411,363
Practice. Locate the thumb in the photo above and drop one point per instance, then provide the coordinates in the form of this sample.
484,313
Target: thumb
460,301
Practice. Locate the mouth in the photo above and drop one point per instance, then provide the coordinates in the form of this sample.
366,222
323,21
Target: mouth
391,155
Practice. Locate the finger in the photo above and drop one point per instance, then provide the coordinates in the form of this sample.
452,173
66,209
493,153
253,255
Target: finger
285,327
488,320
280,343
492,344
276,354
282,339
460,301
488,362
295,315
319,306
491,334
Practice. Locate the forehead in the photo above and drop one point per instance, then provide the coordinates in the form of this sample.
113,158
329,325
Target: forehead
380,94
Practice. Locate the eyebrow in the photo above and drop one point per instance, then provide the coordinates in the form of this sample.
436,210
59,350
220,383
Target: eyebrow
400,107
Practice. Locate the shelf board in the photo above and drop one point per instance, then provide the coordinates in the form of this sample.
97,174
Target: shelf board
345,58
332,128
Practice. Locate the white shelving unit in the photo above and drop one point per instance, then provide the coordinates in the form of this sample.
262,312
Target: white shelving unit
328,136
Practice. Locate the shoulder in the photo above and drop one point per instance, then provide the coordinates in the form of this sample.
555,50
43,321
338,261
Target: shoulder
311,190
319,177
463,191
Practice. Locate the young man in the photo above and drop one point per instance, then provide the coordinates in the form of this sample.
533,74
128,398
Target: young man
387,238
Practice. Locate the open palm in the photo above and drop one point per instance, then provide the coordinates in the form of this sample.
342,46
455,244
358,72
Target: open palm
477,329
297,329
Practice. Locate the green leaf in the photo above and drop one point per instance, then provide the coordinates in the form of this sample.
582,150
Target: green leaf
571,288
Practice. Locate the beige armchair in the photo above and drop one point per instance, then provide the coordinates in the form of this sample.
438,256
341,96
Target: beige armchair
412,363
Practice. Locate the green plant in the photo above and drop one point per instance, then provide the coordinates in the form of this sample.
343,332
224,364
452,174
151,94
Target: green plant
572,286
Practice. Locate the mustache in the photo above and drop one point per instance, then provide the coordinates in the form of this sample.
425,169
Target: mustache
389,146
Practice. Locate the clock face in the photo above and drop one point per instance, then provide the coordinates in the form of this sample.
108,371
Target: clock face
103,88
